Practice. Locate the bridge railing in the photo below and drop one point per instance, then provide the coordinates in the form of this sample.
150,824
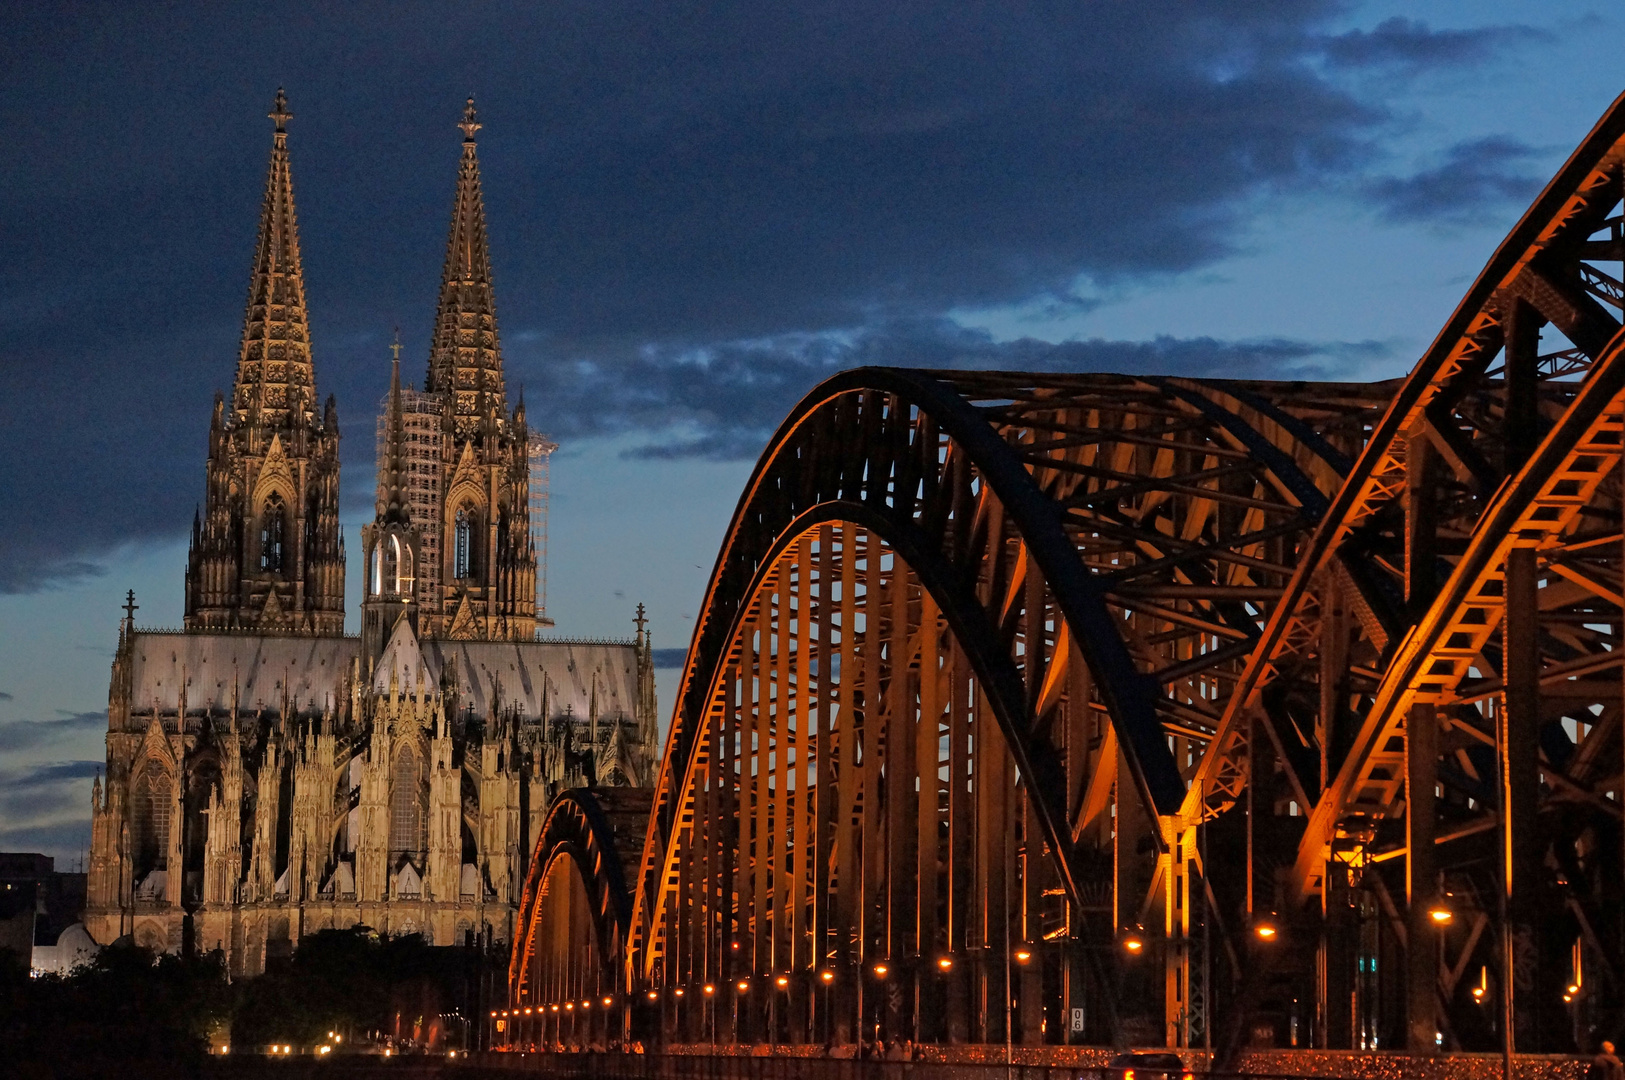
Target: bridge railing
567,1066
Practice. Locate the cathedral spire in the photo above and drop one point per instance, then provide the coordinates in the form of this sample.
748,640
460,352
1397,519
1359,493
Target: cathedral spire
274,373
392,501
465,359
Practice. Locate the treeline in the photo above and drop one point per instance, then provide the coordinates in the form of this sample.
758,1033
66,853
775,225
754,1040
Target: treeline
128,1012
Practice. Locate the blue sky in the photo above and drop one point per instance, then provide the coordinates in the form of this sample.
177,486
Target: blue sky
696,215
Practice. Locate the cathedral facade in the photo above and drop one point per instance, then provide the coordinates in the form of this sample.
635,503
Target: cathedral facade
268,776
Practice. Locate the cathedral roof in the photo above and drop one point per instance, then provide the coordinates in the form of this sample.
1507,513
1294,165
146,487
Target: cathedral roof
551,678
465,359
274,370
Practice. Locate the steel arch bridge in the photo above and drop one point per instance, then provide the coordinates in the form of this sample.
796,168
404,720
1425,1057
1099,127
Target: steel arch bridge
1105,709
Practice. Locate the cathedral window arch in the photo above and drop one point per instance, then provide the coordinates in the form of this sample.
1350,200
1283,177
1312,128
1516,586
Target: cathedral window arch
466,544
150,813
408,809
402,556
273,534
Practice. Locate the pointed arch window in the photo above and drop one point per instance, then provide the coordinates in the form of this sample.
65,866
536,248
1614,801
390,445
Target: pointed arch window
273,534
407,805
465,545
150,811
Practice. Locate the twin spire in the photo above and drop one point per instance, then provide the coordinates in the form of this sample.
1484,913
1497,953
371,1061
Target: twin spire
274,374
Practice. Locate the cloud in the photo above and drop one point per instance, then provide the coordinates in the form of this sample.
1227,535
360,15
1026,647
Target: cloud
4,696
722,402
65,840
1475,179
668,179
28,734
1411,43
44,794
669,658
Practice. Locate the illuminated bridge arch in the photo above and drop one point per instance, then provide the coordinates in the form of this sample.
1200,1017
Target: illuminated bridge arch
565,978
1451,646
996,668
1007,592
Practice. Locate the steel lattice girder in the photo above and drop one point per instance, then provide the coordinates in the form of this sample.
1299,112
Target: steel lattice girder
1203,554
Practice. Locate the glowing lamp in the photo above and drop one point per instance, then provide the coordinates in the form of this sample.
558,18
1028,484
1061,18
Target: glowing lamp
742,985
881,971
945,964
1265,928
827,976
1023,955
708,989
781,982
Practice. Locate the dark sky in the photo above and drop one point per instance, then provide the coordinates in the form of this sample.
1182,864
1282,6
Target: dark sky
696,213
781,189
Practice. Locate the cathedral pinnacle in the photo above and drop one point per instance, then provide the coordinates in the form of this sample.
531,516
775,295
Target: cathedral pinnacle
470,122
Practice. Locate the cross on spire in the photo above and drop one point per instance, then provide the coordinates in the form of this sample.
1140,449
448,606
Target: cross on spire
470,124
279,111
131,607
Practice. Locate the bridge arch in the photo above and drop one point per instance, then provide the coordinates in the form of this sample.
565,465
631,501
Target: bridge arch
989,662
566,975
935,577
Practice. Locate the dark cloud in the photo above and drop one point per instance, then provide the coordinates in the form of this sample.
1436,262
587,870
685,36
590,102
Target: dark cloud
722,402
4,696
1412,43
66,840
1475,179
42,793
659,177
669,658
27,734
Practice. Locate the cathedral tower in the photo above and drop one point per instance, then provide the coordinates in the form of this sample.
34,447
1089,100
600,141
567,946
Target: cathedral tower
391,544
266,553
487,559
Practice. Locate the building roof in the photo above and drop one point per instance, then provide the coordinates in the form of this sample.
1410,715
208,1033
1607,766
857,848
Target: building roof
309,673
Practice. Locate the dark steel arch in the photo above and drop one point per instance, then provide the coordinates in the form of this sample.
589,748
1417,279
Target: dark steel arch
601,832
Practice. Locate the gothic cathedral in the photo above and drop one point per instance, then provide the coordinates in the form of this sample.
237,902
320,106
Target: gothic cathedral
268,776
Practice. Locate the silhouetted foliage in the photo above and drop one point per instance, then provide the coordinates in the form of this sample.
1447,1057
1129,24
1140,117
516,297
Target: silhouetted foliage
124,1013
350,981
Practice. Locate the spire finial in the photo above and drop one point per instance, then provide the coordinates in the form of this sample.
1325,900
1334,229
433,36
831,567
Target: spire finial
279,112
641,620
396,348
130,607
470,122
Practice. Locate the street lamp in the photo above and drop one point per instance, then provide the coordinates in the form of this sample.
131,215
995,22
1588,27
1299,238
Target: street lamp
945,964
1023,955
1265,928
782,982
827,976
743,986
881,970
1133,941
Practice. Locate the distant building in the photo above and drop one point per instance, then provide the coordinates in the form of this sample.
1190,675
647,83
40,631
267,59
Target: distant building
267,776
40,908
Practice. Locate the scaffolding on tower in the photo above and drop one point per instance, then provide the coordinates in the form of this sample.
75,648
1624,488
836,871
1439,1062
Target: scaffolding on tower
541,453
422,452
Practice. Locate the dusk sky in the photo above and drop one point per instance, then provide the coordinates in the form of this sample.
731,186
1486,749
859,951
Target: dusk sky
697,213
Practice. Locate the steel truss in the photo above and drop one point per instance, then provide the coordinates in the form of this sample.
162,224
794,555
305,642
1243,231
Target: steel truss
1000,675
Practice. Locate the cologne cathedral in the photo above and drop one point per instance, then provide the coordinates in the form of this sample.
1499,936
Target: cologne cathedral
268,776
